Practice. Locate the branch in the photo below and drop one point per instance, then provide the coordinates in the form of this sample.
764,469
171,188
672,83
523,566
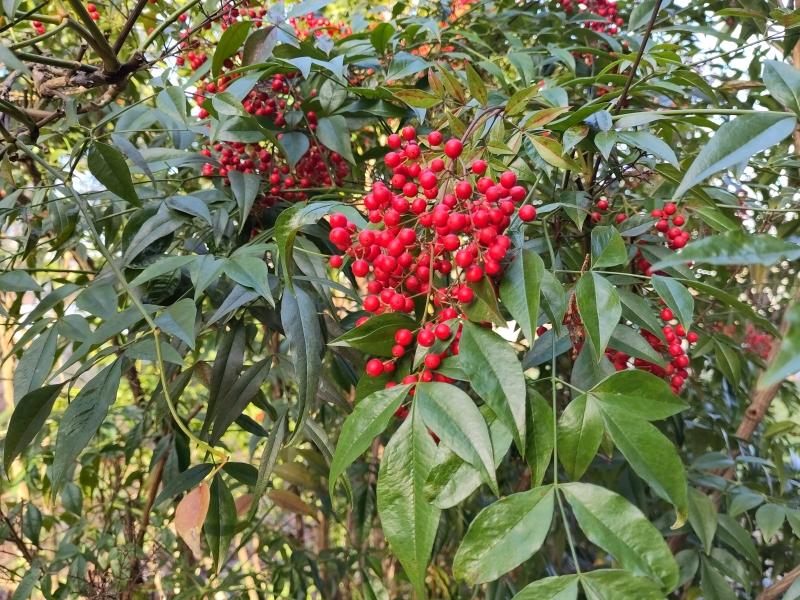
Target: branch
129,23
779,587
96,38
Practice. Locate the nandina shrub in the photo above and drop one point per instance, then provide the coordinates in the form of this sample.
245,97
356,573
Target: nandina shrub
469,299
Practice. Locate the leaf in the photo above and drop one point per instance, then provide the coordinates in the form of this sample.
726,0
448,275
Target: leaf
178,320
82,418
455,419
159,225
294,144
417,98
599,308
190,514
639,394
229,43
783,82
607,584
302,329
562,587
380,36
652,456
30,414
580,431
238,397
734,143
292,502
651,144
541,440
376,335
734,248
108,166
28,582
703,518
494,372
504,535
642,11
35,363
168,264
632,343
251,272
333,133
617,526
520,290
554,300
769,518
245,188
18,281
269,456
714,585
185,480
551,152
787,361
519,100
735,536
484,306
676,297
477,88
191,205
409,522
220,521
608,248
367,421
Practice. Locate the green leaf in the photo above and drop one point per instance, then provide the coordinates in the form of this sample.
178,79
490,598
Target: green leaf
632,343
417,98
220,523
541,440
639,394
333,133
380,36
519,290
484,306
238,397
580,431
734,535
82,418
600,309
651,455
183,482
454,418
477,88
554,300
409,522
551,151
367,421
734,143
734,248
608,584
251,272
519,100
453,479
617,526
504,535
376,335
787,360
35,363
294,145
494,372
640,312
178,320
769,518
563,587
28,583
301,326
783,82
714,585
651,144
269,457
608,248
642,11
168,264
30,414
702,517
229,43
159,225
18,281
245,188
108,166
676,297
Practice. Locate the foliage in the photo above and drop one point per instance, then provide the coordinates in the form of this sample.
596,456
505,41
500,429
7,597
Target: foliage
482,299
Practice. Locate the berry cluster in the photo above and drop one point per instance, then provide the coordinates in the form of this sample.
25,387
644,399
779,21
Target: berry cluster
92,10
603,204
670,223
610,21
38,27
438,230
757,341
311,24
678,341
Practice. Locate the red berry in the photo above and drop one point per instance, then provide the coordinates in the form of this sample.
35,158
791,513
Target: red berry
678,220
372,303
442,331
692,337
398,350
432,361
465,294
463,190
434,138
409,133
602,204
360,268
666,314
478,167
670,208
453,148
335,261
403,337
527,213
620,218
374,367
425,338
508,180
394,141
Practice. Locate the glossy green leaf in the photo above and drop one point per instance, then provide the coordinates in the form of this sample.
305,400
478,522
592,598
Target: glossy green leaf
108,166
333,132
183,482
540,436
769,518
580,430
238,397
302,328
652,456
83,417
600,309
738,538
652,144
702,517
504,535
610,584
520,290
494,372
35,363
554,299
617,526
713,583
229,43
734,143
251,272
367,421
29,416
18,281
269,456
409,522
783,83
245,188
562,587
220,523
631,342
676,297
477,88
608,248
376,335
454,418
639,394
787,360
178,320
483,307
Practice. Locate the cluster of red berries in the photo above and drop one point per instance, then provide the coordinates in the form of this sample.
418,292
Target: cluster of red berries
757,341
38,27
441,222
603,204
669,224
610,21
677,339
311,24
92,10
